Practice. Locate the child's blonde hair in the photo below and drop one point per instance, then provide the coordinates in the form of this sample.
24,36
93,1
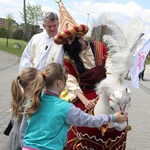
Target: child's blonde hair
18,88
50,74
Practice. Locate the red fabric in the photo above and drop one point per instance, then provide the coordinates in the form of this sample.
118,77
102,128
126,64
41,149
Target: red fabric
90,94
100,53
110,142
27,148
104,55
92,76
112,139
70,66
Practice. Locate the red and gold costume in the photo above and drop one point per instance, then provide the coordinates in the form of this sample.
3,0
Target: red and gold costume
84,74
93,59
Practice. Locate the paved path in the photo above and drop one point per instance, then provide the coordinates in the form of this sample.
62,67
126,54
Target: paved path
139,113
139,136
8,70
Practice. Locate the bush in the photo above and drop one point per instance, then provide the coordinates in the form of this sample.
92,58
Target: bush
17,34
3,32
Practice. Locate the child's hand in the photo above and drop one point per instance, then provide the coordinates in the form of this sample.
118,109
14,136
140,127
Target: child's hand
120,117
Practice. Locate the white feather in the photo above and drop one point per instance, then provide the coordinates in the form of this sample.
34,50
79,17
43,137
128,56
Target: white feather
122,43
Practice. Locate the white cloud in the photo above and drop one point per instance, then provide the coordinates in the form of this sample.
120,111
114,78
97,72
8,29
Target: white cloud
15,7
121,13
47,9
79,8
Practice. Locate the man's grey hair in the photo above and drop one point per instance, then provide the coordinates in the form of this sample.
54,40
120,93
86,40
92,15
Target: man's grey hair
50,16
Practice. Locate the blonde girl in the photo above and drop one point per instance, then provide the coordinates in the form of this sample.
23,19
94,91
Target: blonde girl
20,91
50,116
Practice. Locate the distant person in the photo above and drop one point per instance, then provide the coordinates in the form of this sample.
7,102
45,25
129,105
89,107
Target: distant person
41,49
20,92
141,74
50,116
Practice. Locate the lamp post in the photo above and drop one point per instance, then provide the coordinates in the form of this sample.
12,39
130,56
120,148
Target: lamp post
25,20
88,18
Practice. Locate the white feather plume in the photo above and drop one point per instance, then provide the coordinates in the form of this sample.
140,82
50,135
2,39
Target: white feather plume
122,43
132,32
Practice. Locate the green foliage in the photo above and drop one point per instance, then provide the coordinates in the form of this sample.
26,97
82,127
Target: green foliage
9,26
9,23
148,62
11,48
17,34
3,33
34,14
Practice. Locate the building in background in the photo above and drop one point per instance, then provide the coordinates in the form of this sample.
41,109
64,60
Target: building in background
33,29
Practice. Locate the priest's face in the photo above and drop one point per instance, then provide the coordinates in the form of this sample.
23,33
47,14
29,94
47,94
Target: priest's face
51,27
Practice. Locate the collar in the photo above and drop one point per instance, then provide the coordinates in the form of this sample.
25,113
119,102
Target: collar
46,35
50,92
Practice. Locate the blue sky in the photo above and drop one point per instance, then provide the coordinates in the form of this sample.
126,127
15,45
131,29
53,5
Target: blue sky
121,10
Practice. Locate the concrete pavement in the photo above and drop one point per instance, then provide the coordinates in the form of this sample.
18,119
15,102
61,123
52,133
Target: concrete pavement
139,136
8,70
139,113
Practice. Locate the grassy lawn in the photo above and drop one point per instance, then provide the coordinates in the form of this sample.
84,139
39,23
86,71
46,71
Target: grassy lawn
10,47
148,62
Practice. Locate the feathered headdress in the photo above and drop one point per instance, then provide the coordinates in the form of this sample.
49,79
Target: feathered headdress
122,42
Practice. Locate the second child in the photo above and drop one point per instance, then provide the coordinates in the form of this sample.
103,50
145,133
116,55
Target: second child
20,92
50,116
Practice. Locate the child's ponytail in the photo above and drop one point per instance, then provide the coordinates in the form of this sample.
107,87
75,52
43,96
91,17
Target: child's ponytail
18,97
37,87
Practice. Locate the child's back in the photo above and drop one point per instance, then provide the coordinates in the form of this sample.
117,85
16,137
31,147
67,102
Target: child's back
48,125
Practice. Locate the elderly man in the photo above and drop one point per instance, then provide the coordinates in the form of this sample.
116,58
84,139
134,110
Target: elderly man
41,49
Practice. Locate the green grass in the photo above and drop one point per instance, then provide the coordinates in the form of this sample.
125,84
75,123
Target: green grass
10,47
148,62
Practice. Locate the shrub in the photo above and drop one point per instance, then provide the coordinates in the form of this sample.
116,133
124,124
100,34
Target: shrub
17,34
3,32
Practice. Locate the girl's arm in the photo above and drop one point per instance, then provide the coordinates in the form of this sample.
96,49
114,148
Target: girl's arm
77,117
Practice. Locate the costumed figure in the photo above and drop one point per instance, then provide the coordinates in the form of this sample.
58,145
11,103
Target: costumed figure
86,69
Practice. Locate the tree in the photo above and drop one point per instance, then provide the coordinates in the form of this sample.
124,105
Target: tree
99,30
34,15
3,32
96,33
17,34
10,21
25,20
